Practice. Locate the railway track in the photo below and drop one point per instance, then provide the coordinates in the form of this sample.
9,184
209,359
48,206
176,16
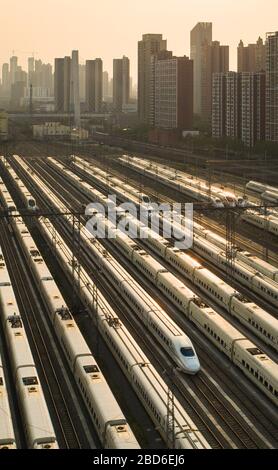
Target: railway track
223,412
266,249
215,269
68,434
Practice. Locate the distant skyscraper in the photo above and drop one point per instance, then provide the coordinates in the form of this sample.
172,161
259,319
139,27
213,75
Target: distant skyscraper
75,84
200,35
82,82
31,69
67,86
150,45
94,90
59,85
21,76
173,92
121,84
251,58
272,87
105,82
6,84
13,68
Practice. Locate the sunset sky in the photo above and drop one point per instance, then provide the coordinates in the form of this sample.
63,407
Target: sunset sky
111,28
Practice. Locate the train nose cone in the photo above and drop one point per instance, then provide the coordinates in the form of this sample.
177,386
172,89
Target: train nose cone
193,366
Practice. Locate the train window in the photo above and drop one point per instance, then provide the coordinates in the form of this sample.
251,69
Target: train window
1,381
187,352
271,388
30,381
91,369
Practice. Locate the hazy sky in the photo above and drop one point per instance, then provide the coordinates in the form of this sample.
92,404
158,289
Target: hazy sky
111,28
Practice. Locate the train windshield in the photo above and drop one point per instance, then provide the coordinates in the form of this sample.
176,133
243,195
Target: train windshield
187,352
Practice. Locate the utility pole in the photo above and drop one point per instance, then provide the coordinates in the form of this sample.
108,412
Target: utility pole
170,415
230,242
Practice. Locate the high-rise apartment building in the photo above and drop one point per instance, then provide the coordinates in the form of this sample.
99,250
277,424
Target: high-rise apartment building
82,82
6,83
75,86
238,106
67,86
218,119
272,87
105,85
31,69
121,83
94,85
252,107
215,59
150,45
251,58
13,68
62,85
200,35
173,92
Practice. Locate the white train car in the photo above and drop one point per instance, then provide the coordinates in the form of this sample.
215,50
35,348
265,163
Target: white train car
145,380
265,222
258,367
270,196
109,421
153,316
7,435
254,317
256,186
27,198
36,419
6,198
220,290
217,337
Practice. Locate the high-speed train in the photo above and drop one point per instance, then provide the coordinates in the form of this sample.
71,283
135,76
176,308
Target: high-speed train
7,435
261,187
149,386
177,344
248,313
265,222
35,415
193,307
270,196
192,186
245,274
110,423
254,364
6,199
28,200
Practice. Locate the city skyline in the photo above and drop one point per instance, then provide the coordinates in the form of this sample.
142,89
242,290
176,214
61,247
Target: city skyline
85,28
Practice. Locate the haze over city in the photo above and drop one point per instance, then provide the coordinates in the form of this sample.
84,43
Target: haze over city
110,28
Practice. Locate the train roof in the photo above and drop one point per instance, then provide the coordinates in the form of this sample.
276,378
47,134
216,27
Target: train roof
259,358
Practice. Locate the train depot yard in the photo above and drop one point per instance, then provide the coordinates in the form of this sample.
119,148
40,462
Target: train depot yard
114,335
